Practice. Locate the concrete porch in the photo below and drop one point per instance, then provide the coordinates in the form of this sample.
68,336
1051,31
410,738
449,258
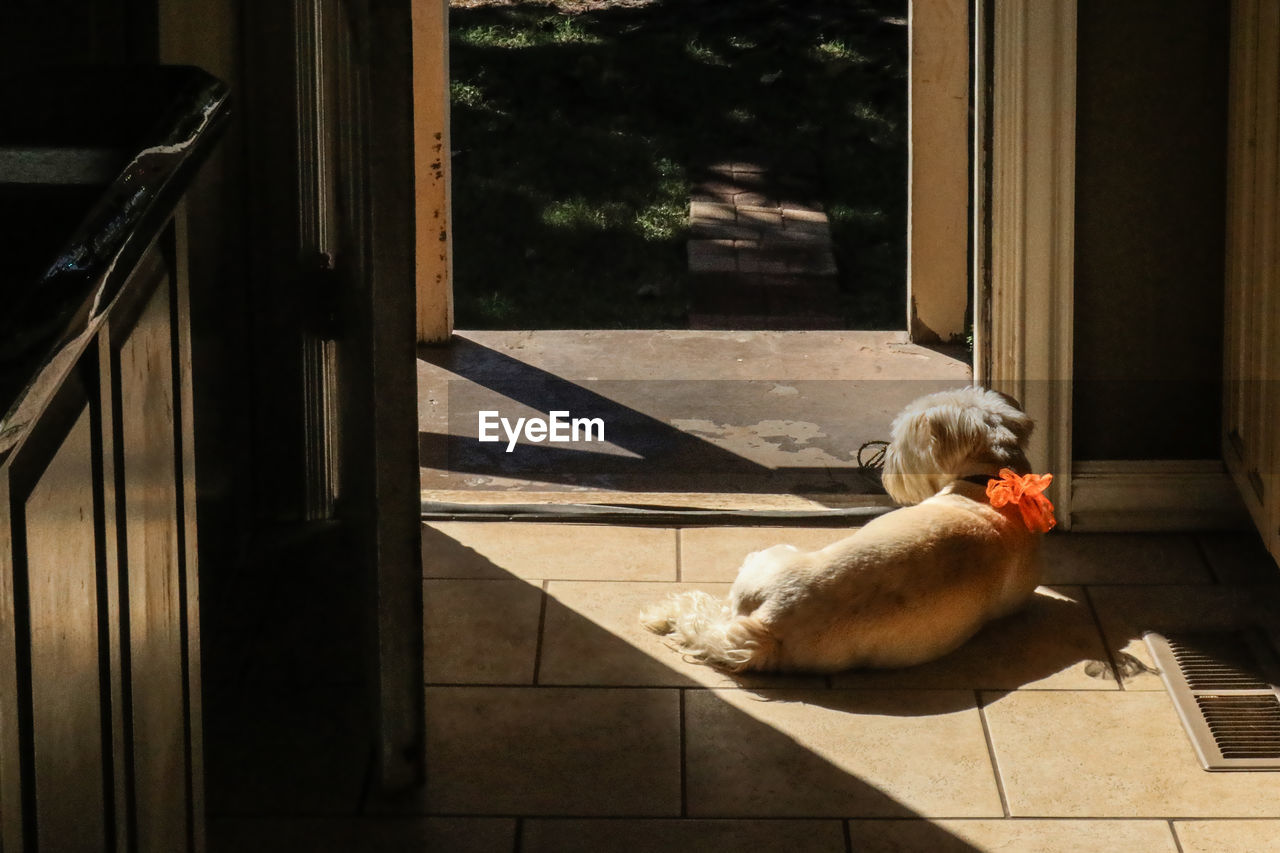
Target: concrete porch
753,419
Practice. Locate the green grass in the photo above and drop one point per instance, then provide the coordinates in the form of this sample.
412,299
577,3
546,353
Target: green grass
547,29
839,50
574,132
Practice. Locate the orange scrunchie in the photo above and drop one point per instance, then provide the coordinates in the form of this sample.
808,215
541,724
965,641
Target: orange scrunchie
1027,494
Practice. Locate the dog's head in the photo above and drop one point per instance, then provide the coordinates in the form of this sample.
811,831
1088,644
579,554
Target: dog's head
952,434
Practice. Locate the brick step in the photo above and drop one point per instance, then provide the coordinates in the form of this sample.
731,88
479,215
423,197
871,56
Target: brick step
760,250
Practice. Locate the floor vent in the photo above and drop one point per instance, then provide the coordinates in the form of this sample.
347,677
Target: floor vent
1225,687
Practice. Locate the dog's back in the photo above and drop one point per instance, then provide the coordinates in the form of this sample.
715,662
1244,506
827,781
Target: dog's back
910,586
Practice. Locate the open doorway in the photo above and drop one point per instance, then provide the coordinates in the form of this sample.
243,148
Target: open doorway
651,164
620,173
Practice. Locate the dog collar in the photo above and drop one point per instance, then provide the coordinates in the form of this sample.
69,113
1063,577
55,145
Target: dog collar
1026,492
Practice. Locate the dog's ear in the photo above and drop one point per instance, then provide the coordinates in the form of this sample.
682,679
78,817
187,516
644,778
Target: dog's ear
1015,420
965,437
956,433
919,452
1008,429
1009,399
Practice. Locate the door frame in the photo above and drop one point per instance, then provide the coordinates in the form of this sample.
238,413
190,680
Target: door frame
1020,160
433,178
1024,232
939,96
940,92
333,254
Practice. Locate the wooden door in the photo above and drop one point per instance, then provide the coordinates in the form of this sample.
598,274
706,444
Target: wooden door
1251,408
332,167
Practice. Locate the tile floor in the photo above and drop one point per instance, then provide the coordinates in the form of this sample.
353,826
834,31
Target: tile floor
554,723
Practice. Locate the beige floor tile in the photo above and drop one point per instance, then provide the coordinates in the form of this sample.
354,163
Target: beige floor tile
715,553
469,549
480,631
553,751
1102,558
346,835
1239,558
1112,754
593,635
691,835
1053,643
837,753
1228,836
1013,836
1126,612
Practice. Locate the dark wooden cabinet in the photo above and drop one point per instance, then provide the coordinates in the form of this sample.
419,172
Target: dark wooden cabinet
99,709
306,425
100,730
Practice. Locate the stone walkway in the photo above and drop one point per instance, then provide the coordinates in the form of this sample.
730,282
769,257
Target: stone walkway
760,250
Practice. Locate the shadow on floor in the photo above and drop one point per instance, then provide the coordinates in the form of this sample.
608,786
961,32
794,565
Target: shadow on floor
287,748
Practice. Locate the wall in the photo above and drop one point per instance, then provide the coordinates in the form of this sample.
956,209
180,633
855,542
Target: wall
1150,184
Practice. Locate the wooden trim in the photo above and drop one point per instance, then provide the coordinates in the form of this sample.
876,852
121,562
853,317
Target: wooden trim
1026,350
1251,363
1239,233
188,559
110,543
1155,495
432,172
938,172
319,113
1267,207
980,146
390,153
11,816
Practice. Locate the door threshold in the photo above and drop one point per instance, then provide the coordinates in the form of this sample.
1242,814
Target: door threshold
651,508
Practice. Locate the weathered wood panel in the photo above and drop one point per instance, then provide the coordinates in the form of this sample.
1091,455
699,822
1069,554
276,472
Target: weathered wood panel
112,538
153,578
62,590
432,171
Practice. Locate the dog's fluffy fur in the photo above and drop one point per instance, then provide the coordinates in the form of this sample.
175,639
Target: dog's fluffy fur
906,588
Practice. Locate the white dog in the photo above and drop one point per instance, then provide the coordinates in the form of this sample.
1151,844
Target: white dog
909,586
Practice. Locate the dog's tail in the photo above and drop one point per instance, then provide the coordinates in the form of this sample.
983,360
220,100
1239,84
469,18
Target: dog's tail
707,630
